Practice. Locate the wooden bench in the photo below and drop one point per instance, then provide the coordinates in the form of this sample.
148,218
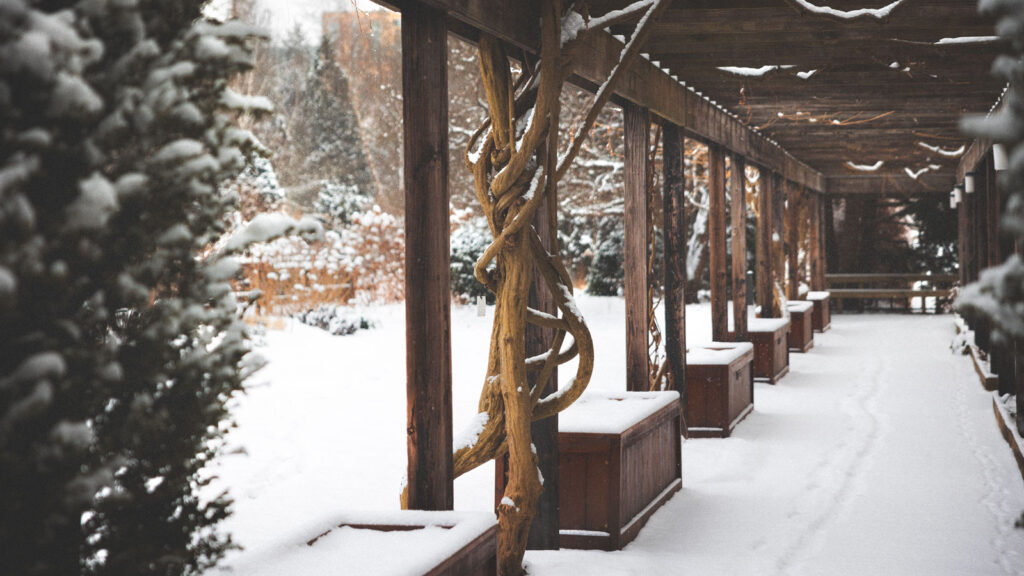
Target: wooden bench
619,460
821,320
719,388
801,330
417,542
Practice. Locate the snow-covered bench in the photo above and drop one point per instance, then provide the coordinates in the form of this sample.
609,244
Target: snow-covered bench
771,347
719,388
801,331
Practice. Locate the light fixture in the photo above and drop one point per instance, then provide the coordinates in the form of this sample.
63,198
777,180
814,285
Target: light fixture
969,183
952,198
999,158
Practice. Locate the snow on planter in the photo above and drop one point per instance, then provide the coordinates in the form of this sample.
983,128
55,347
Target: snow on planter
719,387
821,320
771,347
394,543
801,330
619,460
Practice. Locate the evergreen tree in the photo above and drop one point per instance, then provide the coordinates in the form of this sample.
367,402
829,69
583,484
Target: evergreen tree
327,136
606,274
119,349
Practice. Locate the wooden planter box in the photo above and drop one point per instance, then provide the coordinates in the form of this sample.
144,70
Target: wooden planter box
365,542
719,388
770,337
822,319
801,331
619,460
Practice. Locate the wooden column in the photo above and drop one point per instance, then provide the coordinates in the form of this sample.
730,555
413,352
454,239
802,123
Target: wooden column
982,326
764,244
738,212
636,128
544,434
961,238
716,244
778,240
815,241
792,243
673,196
427,288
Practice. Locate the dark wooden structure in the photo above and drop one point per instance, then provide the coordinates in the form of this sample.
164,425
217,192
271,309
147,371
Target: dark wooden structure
428,299
615,475
720,388
770,337
801,326
822,318
479,556
854,99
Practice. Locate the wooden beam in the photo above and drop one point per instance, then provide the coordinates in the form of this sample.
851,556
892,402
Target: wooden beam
891,186
644,84
738,212
636,129
427,288
716,245
674,199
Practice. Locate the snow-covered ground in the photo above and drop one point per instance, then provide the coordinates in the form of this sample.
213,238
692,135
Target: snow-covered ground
877,454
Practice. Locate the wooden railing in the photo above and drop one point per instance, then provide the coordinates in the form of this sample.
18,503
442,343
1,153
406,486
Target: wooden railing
870,290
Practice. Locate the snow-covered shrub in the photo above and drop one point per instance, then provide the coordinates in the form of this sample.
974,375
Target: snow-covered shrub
334,320
999,292
606,274
362,263
338,203
117,131
469,239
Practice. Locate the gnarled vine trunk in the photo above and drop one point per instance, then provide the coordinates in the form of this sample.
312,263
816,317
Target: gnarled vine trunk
516,166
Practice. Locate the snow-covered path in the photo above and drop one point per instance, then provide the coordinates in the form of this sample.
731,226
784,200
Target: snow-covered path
877,454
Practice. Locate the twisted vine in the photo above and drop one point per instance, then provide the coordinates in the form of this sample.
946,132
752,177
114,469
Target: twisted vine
516,167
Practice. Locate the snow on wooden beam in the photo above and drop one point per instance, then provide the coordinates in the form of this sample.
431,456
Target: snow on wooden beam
644,84
892,185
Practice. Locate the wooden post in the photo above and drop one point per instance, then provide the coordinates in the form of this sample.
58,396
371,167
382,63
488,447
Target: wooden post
738,211
716,244
983,217
544,433
792,244
427,288
778,243
673,197
764,244
636,128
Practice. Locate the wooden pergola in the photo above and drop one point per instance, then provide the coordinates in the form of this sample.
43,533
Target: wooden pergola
859,97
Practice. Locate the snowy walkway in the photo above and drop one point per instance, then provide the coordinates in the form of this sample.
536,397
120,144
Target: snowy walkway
877,454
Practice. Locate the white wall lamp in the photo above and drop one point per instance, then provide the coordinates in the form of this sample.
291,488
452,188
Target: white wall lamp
999,158
953,198
969,183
